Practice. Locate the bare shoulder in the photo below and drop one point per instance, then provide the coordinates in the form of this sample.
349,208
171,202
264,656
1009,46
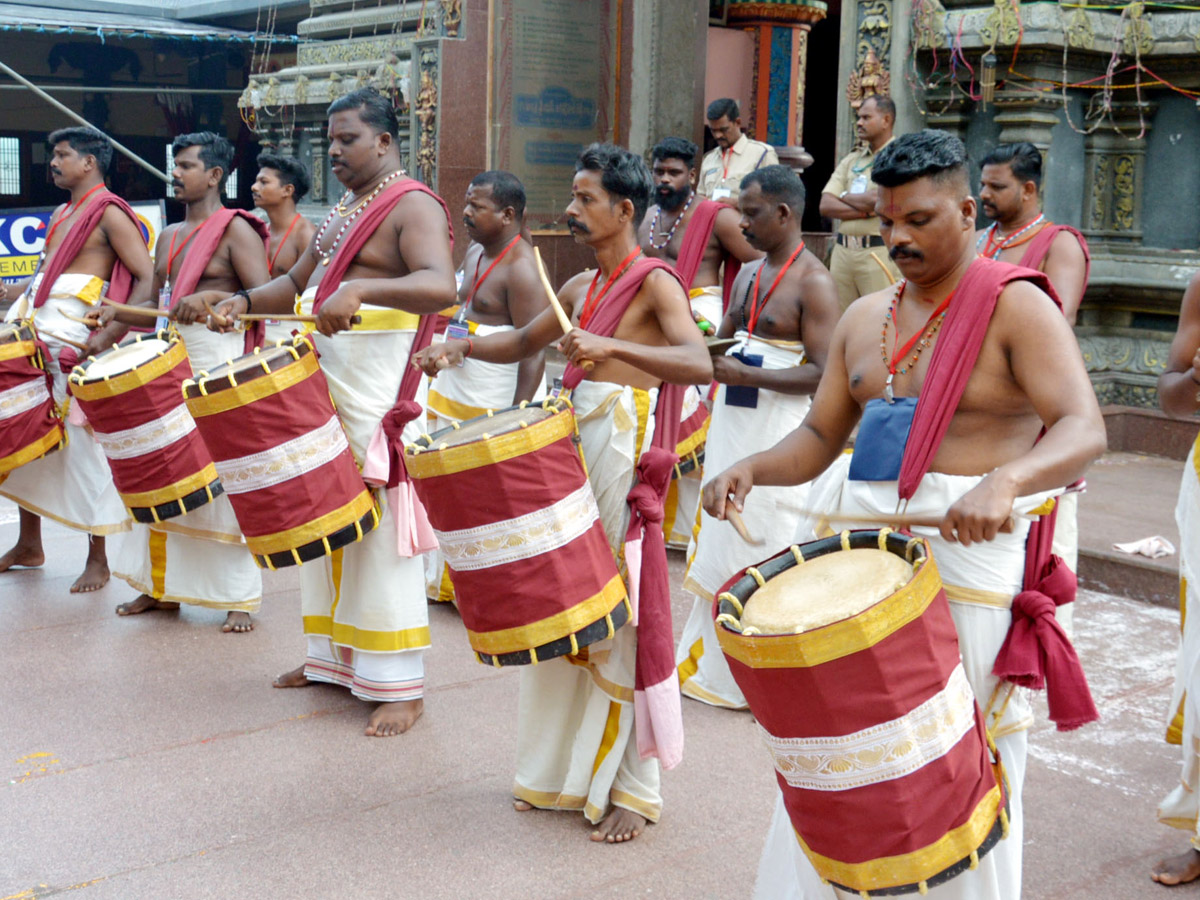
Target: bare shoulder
1024,310
873,304
241,230
576,284
811,270
664,285
1066,246
418,207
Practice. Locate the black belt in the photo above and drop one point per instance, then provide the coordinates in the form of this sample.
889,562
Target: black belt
856,242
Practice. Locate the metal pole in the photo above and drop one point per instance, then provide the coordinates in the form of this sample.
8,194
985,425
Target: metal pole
82,121
121,89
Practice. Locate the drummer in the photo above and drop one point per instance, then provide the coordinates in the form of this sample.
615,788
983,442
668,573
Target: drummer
782,311
199,559
383,254
577,745
1027,375
94,247
501,291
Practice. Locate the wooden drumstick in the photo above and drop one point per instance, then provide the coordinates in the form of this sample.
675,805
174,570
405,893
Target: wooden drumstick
564,320
898,520
734,518
886,271
67,341
221,320
287,317
138,310
87,322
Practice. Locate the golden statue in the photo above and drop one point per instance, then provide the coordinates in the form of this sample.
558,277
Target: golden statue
872,78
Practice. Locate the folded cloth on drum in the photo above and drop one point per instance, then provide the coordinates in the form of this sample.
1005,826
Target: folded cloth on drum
656,699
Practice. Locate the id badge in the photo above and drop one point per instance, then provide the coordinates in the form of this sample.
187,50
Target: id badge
882,437
859,184
458,331
557,389
164,303
721,193
740,394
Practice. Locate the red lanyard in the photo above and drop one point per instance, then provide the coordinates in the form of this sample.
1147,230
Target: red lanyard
894,362
757,305
70,211
478,282
725,154
271,264
590,308
172,252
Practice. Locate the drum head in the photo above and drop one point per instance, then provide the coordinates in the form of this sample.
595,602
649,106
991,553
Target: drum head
248,367
498,423
125,358
824,590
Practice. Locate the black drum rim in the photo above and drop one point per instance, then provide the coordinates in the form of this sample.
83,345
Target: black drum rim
589,634
342,537
148,515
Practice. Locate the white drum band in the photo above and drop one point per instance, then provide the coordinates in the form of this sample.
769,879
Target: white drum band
289,460
22,398
148,438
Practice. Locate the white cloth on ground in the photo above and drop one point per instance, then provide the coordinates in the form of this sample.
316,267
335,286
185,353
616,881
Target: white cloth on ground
773,513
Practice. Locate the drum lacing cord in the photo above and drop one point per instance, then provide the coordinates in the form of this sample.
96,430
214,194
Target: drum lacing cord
999,714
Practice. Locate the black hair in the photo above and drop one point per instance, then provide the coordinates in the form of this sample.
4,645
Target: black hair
675,148
921,154
883,103
85,142
373,108
507,190
1023,158
291,171
215,151
780,184
622,174
725,106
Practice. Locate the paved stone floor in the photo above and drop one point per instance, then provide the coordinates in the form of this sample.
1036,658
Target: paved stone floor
150,758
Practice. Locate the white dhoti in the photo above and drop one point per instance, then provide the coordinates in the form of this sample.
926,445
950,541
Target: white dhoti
199,558
455,395
365,616
576,746
980,582
717,552
1181,808
72,485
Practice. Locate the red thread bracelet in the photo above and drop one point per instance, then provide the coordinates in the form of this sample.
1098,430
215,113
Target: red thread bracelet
470,347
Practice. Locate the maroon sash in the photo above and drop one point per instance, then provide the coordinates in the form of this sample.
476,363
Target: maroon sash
1039,246
691,250
120,281
204,245
1036,645
657,714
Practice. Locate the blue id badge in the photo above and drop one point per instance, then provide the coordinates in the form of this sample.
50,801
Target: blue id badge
740,394
164,304
882,436
457,330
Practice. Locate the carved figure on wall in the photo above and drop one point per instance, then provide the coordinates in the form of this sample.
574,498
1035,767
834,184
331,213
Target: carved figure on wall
1079,31
1002,25
1124,170
929,24
426,110
301,90
874,29
271,97
451,16
870,79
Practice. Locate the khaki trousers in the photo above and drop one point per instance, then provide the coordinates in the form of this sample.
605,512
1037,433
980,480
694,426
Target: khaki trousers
856,274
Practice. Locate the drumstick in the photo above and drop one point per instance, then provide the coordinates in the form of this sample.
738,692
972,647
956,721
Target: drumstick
139,310
67,341
898,520
88,323
221,320
287,317
564,321
886,271
734,518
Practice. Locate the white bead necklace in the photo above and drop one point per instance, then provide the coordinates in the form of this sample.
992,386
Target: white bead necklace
678,219
358,210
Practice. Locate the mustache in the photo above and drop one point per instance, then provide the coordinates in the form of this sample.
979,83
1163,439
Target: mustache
575,225
54,171
470,223
177,184
904,253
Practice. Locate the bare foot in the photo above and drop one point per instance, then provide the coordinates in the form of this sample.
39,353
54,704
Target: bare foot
390,719
619,826
23,555
521,805
294,678
238,622
1178,869
95,576
144,603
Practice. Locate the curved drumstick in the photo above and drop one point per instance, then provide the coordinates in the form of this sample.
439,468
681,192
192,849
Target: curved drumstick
221,320
561,314
886,271
60,338
734,518
87,322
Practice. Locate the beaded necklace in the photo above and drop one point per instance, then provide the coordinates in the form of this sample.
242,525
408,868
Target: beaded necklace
353,214
992,248
678,219
920,340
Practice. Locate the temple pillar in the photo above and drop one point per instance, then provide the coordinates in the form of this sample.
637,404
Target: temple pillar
1115,161
780,30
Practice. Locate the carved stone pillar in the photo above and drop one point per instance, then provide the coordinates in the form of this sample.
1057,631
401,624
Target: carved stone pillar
949,117
1115,158
318,162
425,115
1022,117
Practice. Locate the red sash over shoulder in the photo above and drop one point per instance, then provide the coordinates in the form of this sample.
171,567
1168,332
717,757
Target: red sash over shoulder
1039,246
120,282
657,713
204,245
691,250
1036,645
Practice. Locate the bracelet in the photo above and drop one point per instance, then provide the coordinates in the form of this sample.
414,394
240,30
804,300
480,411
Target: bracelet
245,294
470,347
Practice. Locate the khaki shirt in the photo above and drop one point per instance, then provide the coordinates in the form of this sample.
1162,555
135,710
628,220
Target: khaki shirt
855,165
720,173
